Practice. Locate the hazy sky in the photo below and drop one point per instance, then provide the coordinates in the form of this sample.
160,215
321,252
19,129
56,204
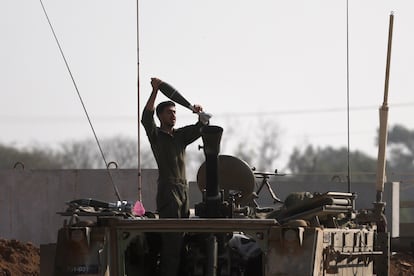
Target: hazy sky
249,63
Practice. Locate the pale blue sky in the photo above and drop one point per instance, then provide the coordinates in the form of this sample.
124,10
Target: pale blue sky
244,61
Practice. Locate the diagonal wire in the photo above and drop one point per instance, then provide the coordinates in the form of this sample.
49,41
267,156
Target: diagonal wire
81,100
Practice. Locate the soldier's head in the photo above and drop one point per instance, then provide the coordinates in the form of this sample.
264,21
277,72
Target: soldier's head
166,113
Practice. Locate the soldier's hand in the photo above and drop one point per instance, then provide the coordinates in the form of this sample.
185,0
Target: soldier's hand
197,108
155,83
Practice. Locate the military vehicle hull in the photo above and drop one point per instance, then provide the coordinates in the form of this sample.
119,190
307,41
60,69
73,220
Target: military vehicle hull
119,246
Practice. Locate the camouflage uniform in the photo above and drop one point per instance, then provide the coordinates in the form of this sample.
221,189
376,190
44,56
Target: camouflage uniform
172,193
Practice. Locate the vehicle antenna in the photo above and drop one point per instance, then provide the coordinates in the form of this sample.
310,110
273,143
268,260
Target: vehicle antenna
383,112
138,109
138,206
347,96
83,105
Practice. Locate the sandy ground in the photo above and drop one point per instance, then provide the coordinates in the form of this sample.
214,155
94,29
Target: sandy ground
17,258
402,264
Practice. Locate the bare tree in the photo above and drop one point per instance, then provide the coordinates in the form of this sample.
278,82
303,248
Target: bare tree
269,149
122,150
260,149
245,153
31,158
80,155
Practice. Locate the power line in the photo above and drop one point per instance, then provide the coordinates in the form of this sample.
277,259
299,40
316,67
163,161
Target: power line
312,110
54,118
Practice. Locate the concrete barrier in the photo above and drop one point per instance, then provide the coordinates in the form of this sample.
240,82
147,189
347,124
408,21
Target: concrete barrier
29,199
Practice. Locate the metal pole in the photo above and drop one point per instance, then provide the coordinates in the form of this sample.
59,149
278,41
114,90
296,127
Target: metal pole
383,112
138,109
212,254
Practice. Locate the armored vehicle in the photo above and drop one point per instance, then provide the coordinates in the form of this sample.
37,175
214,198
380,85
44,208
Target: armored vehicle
307,234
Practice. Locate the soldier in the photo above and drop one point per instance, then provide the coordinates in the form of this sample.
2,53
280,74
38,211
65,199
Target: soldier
168,146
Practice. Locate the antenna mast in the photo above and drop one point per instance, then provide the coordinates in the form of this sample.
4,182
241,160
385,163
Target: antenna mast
347,95
138,110
383,112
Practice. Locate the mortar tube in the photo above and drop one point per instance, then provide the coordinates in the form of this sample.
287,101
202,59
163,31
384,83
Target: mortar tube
211,136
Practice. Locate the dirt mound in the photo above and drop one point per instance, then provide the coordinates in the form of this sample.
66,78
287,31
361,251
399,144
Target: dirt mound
402,264
17,258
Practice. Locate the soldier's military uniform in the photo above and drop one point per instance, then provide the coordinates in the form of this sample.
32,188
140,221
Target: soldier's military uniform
172,193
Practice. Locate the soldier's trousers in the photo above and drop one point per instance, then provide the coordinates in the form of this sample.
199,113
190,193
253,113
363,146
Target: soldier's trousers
172,202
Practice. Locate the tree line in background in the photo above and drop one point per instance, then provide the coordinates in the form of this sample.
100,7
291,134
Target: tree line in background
309,164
